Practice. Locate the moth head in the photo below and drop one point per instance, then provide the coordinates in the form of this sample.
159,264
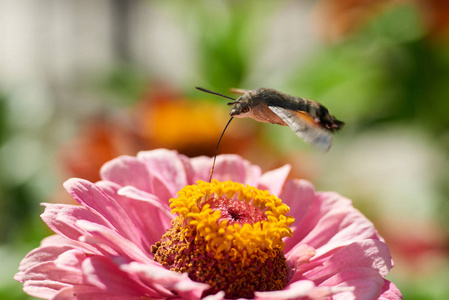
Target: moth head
239,109
336,124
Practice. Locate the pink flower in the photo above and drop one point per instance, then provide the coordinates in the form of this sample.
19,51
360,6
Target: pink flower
112,245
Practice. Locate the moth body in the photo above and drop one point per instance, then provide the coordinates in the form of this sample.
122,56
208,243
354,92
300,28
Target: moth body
309,119
256,104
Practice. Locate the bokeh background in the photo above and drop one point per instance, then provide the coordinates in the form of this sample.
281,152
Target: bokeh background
82,82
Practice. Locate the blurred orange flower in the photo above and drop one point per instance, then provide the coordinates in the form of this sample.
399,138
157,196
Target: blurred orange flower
161,119
99,141
191,126
340,18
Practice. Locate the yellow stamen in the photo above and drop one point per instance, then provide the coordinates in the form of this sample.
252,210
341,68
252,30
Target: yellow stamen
193,210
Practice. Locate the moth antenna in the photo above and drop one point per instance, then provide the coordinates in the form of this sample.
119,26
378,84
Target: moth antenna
216,149
213,93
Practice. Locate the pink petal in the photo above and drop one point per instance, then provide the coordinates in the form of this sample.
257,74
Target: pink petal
89,195
190,290
127,170
321,292
62,218
60,241
154,275
39,281
133,193
190,173
57,240
297,290
106,238
158,191
101,272
390,292
371,255
201,167
366,283
332,222
218,296
150,216
300,255
299,195
87,292
227,167
163,190
109,188
38,256
274,180
168,166
47,278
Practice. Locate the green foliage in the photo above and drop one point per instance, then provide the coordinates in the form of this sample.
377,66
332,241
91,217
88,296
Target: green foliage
227,34
123,85
387,72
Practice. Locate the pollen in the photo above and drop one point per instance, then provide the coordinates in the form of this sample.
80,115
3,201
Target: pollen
227,235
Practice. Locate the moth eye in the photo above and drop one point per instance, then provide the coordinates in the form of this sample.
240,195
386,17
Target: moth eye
245,109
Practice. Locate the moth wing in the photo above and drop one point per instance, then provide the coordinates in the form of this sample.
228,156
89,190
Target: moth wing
239,91
305,127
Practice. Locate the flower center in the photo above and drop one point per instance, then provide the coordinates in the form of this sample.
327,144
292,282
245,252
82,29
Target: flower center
229,236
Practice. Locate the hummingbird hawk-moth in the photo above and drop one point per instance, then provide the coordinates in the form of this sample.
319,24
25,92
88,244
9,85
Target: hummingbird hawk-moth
309,119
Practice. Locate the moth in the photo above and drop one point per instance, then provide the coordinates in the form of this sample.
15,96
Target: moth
309,119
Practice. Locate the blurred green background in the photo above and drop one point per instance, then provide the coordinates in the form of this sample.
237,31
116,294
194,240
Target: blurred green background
84,81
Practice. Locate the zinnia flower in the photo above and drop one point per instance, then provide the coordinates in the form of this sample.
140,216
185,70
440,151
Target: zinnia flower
234,237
